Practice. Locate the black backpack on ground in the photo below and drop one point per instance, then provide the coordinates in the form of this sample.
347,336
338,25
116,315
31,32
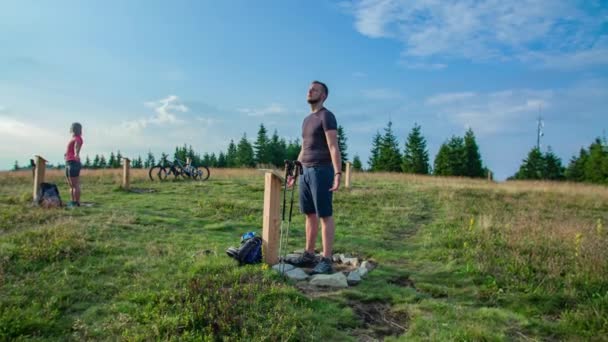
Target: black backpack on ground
48,196
250,251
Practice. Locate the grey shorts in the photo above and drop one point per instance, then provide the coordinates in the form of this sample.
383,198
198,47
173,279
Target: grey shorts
315,196
72,168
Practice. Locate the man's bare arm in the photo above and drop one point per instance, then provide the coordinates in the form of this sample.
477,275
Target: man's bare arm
336,159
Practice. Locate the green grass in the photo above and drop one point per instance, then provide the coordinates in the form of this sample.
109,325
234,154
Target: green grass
459,260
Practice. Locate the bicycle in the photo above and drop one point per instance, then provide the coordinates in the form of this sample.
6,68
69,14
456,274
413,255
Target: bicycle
177,169
195,173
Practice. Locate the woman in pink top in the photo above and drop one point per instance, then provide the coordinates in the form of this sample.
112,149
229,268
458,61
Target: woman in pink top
72,164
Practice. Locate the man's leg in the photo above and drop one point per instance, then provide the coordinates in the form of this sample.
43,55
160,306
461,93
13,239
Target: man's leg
329,228
312,229
323,203
307,207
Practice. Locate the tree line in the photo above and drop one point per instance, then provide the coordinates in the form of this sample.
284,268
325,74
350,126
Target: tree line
271,151
457,156
590,166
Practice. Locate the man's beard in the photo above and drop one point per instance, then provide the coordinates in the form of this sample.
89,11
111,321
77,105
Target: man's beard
313,101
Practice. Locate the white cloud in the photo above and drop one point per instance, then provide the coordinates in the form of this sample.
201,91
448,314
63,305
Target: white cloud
165,110
545,32
490,113
449,98
595,55
25,138
422,65
272,109
381,94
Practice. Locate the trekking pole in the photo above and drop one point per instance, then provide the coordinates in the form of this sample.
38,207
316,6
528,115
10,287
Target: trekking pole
288,167
297,167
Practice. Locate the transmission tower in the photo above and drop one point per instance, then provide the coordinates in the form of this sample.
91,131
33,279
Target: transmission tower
539,129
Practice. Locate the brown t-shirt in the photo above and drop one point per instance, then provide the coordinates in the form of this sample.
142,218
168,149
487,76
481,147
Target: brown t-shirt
315,151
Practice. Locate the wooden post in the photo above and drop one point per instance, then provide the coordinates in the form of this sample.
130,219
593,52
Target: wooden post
271,222
126,168
490,176
38,175
347,176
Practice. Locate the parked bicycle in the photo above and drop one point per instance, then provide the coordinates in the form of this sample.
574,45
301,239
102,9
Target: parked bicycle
177,168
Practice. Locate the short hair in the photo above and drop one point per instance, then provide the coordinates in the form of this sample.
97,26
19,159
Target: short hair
76,128
324,87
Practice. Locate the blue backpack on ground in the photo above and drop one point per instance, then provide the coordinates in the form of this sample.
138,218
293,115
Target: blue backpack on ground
250,251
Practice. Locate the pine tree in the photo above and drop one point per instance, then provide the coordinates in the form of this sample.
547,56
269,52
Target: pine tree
389,156
96,161
164,159
87,162
342,139
212,160
415,156
260,146
181,153
277,150
442,165
102,162
140,162
207,159
111,161
244,153
192,155
221,160
473,164
458,158
16,166
576,168
596,166
118,160
231,154
553,166
375,152
533,167
150,161
451,158
357,163
293,150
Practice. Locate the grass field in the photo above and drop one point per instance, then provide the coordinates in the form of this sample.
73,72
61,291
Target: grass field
458,259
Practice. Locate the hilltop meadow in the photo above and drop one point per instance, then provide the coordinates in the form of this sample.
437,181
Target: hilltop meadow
459,259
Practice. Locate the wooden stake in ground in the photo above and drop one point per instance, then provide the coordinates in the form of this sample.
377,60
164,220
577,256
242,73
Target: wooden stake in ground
271,222
126,169
38,175
347,176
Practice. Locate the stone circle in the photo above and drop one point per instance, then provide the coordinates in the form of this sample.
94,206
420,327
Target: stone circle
348,271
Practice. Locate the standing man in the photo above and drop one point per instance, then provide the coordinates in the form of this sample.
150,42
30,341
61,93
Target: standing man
320,158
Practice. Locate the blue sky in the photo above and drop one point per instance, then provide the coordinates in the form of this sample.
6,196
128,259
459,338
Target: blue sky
150,75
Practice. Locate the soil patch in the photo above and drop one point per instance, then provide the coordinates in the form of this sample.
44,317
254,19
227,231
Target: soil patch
142,191
379,321
403,281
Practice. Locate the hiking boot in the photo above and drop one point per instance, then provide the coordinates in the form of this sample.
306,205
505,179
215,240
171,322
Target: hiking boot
305,259
323,267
